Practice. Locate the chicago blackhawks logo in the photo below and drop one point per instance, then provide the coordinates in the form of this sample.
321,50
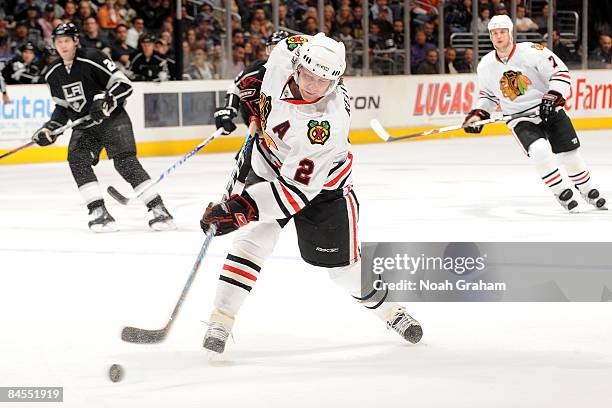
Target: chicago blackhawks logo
318,133
265,107
513,84
293,42
537,46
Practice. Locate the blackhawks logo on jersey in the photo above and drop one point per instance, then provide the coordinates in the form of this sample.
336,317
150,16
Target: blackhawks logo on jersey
537,46
318,133
293,42
513,84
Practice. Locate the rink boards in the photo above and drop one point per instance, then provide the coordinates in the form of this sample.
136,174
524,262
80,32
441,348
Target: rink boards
170,118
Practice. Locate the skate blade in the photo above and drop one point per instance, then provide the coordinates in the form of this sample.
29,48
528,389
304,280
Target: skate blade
163,226
102,229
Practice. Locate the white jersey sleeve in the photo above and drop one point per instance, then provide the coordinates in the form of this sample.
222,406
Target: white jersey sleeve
554,70
487,100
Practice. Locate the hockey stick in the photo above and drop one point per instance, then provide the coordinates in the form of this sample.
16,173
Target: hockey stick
113,192
144,336
384,135
233,180
53,132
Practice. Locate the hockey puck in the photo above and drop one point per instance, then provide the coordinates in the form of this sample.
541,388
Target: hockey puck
115,373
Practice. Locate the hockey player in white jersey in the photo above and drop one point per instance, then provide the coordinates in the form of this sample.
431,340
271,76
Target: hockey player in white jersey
301,170
528,77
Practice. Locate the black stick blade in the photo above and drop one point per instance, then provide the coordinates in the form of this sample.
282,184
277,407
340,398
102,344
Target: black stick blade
112,191
142,336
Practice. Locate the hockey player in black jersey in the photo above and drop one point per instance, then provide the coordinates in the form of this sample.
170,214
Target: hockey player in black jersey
22,69
86,82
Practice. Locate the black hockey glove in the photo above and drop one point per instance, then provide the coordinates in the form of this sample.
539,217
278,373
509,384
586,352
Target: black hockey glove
43,136
550,101
230,215
479,114
224,118
101,107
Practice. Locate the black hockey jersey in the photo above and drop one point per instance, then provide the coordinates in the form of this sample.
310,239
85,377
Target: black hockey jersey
17,71
92,72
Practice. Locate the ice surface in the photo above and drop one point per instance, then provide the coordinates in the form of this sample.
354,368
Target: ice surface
300,341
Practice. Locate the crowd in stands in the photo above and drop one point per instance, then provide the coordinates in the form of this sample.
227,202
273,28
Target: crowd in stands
138,34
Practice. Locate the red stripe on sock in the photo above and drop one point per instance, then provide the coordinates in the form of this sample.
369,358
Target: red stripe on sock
582,178
553,179
240,272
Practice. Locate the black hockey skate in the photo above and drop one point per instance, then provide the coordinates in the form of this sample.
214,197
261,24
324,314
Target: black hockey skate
162,220
566,200
593,198
405,325
101,220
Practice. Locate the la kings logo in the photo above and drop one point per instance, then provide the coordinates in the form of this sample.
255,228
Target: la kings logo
74,95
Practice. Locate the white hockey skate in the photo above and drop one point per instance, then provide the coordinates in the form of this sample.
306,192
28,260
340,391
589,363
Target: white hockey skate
162,220
593,198
405,325
219,330
567,201
101,220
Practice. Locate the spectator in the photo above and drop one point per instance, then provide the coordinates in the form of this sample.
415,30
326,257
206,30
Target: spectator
357,27
59,10
466,64
191,38
154,14
5,41
500,9
378,41
126,13
70,13
120,50
430,65
237,62
310,26
346,36
483,20
21,38
265,26
398,34
238,37
46,22
379,5
430,33
542,21
450,61
187,57
344,15
92,37
284,19
148,65
32,21
108,16
162,48
601,57
561,49
386,28
200,68
458,16
298,10
523,23
84,11
329,21
419,49
257,43
135,32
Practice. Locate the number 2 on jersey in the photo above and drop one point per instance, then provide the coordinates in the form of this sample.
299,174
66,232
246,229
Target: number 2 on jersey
303,173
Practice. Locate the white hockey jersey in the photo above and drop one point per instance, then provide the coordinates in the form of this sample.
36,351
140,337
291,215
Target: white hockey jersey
305,146
518,84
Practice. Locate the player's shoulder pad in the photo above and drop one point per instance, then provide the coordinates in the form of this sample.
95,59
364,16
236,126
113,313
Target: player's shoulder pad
97,59
486,60
52,68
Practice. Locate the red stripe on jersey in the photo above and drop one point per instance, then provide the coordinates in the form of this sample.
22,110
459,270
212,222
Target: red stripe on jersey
240,272
290,198
342,173
582,178
553,179
563,75
354,227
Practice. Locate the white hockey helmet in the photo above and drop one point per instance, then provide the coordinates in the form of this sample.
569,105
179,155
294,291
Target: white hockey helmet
322,56
500,21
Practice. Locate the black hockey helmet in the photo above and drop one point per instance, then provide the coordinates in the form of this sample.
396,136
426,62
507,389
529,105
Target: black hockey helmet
66,30
277,37
148,38
28,46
